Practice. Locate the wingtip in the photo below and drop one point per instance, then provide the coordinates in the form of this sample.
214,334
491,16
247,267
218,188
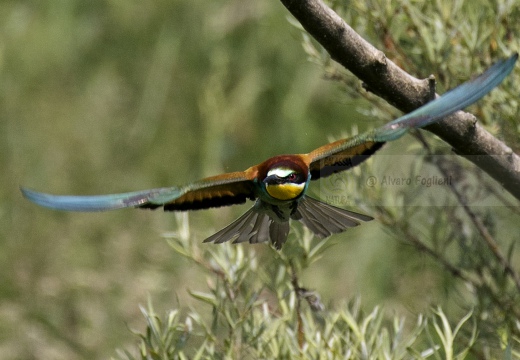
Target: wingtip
512,59
28,193
35,197
509,62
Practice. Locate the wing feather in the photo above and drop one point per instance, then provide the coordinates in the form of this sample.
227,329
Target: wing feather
222,190
344,154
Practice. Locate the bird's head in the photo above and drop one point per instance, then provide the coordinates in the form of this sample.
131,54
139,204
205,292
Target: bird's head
285,180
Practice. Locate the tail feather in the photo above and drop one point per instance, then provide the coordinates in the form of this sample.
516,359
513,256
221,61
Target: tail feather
239,230
328,219
256,227
310,219
253,227
260,231
278,232
324,219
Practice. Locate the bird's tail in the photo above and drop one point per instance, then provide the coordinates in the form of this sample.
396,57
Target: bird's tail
324,219
253,227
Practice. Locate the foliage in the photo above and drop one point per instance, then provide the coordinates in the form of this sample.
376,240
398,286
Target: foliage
262,312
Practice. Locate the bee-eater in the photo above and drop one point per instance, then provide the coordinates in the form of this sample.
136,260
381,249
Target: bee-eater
278,185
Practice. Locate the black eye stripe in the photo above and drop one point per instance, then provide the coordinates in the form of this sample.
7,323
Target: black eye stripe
294,177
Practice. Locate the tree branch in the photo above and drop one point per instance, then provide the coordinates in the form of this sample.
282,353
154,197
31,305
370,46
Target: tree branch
385,79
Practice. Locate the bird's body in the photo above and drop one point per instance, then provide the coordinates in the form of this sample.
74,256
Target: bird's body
278,185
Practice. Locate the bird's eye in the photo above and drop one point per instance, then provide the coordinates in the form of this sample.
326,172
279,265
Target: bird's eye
291,177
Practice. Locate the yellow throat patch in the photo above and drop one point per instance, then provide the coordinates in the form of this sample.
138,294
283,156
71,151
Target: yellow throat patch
285,191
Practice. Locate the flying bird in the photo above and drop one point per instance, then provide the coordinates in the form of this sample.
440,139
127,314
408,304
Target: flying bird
278,185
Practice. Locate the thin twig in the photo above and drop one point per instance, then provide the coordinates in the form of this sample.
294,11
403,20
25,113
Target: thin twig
412,239
477,222
455,271
296,287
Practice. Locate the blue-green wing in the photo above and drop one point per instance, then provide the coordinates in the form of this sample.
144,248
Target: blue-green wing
454,100
344,154
102,202
222,190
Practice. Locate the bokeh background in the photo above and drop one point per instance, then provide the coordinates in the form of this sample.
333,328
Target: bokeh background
114,96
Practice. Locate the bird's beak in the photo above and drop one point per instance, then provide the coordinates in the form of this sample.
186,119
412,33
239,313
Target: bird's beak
271,180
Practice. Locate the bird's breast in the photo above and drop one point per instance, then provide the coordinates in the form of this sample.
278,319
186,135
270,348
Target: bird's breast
287,191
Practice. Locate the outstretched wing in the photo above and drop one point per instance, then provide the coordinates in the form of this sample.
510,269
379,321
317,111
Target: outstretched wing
221,190
347,153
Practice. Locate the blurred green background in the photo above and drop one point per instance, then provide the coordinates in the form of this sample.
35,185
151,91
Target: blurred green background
114,96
